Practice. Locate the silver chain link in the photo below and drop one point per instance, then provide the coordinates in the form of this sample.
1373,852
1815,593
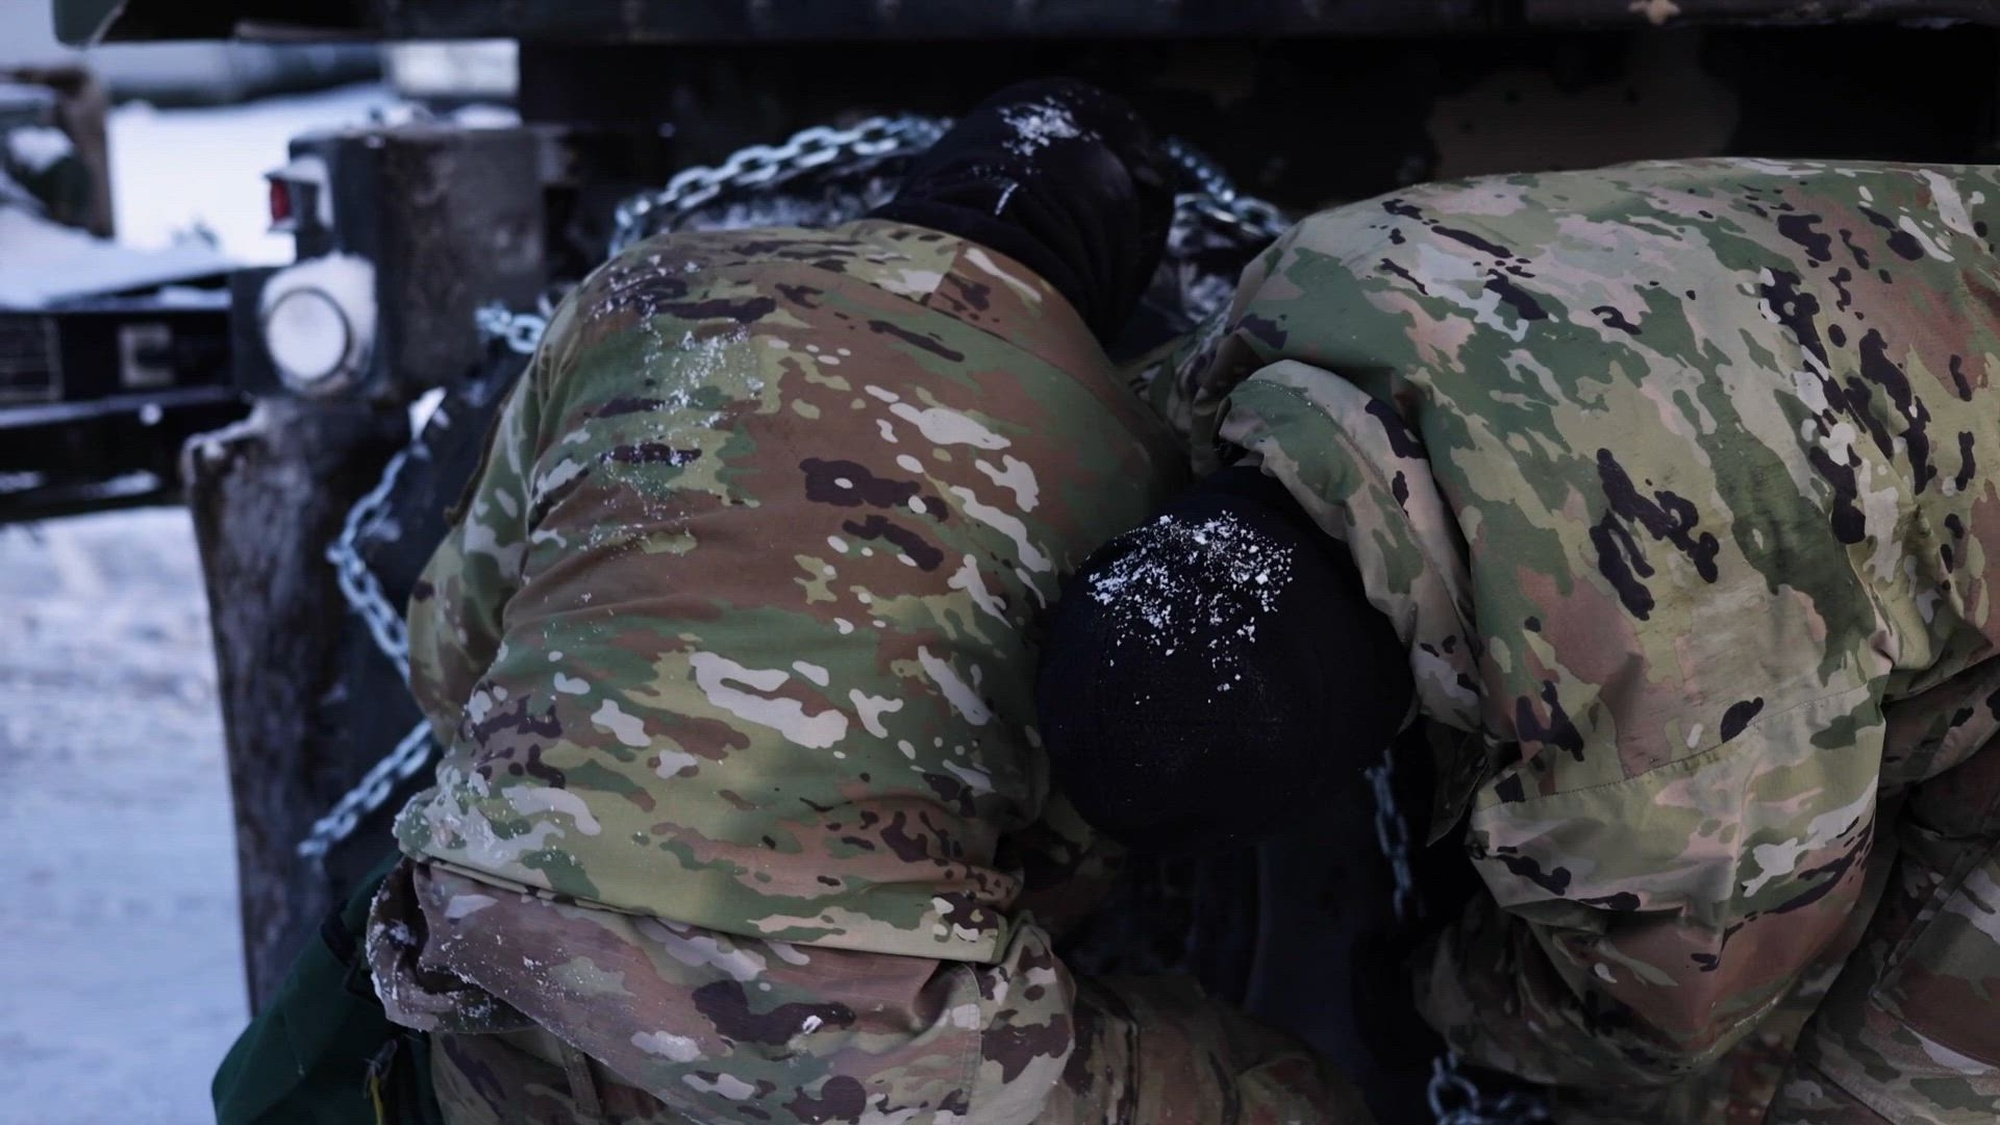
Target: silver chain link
1456,1099
1218,198
1392,835
412,754
1246,213
520,332
882,138
367,600
875,139
767,166
358,584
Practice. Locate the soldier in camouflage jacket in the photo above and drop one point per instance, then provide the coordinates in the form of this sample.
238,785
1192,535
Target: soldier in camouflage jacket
743,816
1676,484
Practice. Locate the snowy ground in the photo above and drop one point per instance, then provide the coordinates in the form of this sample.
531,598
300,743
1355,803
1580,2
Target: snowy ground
121,979
122,969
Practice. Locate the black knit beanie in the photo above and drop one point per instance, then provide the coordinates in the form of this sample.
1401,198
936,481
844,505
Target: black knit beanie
1209,675
1060,176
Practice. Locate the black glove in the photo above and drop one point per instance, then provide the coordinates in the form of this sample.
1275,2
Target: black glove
1063,178
1208,676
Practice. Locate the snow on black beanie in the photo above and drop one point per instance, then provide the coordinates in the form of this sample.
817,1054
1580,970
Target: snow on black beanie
1209,675
1060,176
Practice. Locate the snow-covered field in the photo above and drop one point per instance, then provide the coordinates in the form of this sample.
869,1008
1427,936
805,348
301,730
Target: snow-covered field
121,979
122,967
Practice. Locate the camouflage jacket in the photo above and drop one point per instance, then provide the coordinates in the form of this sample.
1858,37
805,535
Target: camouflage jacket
1676,480
731,651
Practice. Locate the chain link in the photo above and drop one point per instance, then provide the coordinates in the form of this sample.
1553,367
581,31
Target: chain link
882,138
766,166
519,332
1392,835
367,600
874,140
1218,199
412,754
1248,215
358,584
1455,1099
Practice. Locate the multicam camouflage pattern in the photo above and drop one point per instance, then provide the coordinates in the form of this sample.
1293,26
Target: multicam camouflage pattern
731,649
1676,479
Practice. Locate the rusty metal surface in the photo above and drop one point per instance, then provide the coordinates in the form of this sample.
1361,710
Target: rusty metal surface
266,497
460,225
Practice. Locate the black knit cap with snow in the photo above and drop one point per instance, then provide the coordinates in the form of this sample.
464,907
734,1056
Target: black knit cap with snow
1208,677
1060,176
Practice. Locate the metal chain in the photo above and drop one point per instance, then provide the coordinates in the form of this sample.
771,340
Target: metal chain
412,754
1247,214
520,332
367,600
766,166
358,584
882,138
877,138
1218,198
1392,834
1456,1099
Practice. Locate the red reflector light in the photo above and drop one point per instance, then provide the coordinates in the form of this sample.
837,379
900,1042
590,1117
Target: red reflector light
281,203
